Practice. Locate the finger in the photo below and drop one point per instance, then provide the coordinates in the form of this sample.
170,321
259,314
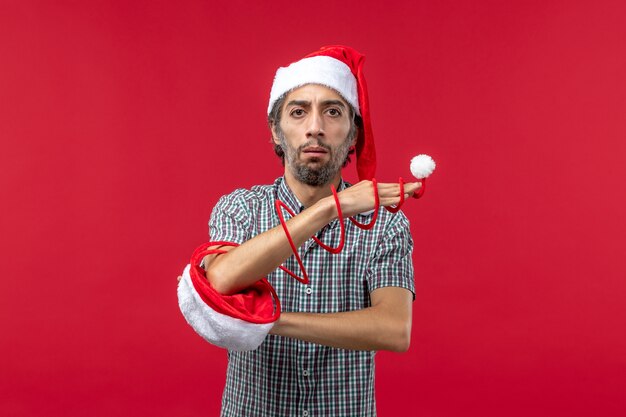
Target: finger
388,190
179,278
393,190
388,186
412,187
390,201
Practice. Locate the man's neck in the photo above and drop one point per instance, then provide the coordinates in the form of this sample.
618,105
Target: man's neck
308,194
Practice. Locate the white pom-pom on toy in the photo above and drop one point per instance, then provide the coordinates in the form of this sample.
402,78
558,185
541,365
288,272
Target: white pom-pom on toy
422,166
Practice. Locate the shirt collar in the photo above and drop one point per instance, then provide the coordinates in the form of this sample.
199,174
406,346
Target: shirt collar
284,194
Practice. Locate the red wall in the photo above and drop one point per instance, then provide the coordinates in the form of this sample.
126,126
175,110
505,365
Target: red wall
121,123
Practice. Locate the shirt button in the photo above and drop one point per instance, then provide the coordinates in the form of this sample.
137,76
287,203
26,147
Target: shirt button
305,373
305,413
309,290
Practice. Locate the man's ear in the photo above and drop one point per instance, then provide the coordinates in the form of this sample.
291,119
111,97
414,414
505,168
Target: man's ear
356,137
274,135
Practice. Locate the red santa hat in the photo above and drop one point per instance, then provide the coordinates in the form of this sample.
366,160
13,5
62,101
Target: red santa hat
238,322
340,68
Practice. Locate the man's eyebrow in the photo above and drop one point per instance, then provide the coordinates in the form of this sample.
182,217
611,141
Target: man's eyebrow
334,103
302,103
306,103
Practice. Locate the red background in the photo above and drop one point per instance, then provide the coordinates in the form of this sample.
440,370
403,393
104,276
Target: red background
121,124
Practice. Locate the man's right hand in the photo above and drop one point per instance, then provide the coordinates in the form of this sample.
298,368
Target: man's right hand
360,197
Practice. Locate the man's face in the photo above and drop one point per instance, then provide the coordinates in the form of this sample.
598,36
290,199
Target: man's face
314,134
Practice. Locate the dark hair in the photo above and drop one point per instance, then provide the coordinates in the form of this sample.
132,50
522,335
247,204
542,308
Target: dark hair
274,117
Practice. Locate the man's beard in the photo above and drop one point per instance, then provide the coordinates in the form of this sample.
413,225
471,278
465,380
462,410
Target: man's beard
315,176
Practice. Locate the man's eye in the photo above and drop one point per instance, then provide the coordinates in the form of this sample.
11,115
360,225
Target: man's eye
297,112
334,112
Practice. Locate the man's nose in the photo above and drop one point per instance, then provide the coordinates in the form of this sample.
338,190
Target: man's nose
315,126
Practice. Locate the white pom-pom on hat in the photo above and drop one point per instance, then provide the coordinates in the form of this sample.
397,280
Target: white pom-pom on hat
422,166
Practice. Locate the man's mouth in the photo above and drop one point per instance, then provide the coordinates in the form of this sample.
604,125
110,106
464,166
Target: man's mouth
314,151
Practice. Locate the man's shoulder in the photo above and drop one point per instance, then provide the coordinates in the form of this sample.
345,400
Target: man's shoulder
254,194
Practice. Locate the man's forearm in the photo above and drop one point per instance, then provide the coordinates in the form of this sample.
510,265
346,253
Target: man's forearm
384,326
259,256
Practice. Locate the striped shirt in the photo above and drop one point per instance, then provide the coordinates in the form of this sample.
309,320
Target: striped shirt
289,377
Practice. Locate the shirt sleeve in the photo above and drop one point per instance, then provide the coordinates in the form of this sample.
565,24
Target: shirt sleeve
230,219
392,265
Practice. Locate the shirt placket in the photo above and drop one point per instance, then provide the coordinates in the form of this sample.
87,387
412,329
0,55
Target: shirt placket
305,378
309,253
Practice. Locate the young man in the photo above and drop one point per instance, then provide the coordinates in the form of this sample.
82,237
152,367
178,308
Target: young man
319,356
